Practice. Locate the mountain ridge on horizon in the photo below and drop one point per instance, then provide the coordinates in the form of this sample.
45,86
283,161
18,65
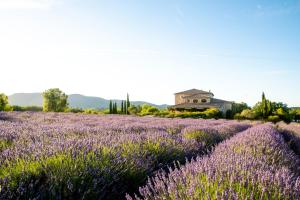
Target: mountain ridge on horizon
75,101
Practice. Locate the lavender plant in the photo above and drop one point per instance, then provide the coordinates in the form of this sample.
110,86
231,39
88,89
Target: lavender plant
255,164
76,156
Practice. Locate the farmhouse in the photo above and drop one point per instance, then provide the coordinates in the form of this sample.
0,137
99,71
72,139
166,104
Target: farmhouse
199,100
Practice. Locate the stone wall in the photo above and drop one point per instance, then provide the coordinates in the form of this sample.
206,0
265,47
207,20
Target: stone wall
178,99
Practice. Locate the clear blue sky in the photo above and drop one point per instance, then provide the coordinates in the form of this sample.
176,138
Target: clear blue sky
152,49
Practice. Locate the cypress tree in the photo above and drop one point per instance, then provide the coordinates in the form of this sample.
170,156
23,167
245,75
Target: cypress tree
116,108
113,108
270,108
266,106
122,107
263,105
125,108
110,107
127,101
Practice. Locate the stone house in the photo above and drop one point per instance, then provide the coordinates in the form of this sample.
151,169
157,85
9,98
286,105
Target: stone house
199,100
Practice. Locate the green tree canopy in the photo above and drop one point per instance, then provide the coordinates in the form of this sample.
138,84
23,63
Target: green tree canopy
3,102
54,100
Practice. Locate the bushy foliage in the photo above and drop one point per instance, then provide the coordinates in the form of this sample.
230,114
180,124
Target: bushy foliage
206,114
27,108
54,100
246,114
274,118
148,110
295,114
3,102
268,111
75,110
91,111
236,109
134,110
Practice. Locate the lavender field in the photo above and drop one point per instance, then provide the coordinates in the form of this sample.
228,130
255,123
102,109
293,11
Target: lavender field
76,156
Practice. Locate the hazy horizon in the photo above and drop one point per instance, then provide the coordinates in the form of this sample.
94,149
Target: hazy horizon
152,49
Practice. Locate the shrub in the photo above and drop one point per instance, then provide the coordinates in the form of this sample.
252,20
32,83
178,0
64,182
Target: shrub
283,115
148,110
248,114
27,108
212,113
274,118
91,111
134,109
75,110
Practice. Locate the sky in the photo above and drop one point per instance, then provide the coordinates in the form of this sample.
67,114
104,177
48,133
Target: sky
152,49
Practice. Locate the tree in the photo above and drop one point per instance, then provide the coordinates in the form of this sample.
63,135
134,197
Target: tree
277,105
266,107
128,101
236,108
125,108
122,107
3,102
127,104
115,108
110,107
54,100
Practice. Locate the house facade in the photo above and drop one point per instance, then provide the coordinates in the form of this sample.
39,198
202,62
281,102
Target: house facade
195,99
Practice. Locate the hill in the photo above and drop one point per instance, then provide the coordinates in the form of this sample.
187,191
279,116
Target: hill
75,101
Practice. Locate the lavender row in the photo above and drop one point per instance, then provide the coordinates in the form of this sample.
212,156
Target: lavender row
291,133
255,164
67,156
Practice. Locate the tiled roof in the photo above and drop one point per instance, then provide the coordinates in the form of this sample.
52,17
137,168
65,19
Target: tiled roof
199,95
194,91
213,100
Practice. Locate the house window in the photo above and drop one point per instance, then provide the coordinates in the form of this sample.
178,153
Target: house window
188,101
203,100
195,101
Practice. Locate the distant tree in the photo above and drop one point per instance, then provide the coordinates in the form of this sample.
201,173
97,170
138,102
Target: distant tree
3,102
125,108
283,114
54,100
277,105
134,109
115,108
297,115
122,107
266,107
127,104
110,107
236,108
128,101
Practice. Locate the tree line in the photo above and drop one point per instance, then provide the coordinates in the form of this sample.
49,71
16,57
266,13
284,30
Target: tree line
55,100
268,110
125,105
